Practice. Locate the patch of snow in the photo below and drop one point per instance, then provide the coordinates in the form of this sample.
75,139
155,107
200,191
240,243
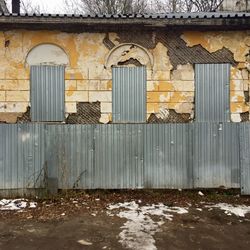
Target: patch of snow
139,229
200,193
33,205
13,204
199,209
238,210
16,204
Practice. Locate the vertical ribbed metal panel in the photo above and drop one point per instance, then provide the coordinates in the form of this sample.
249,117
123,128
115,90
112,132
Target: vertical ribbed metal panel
216,155
70,153
245,158
47,93
102,156
22,158
167,153
118,156
212,92
125,156
129,94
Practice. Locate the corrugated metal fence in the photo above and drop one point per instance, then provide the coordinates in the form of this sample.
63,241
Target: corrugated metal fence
125,156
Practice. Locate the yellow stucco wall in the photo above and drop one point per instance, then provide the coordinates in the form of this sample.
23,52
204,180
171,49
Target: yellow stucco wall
238,42
89,79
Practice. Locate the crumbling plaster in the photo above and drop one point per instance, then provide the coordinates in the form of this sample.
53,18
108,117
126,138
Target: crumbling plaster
238,42
88,69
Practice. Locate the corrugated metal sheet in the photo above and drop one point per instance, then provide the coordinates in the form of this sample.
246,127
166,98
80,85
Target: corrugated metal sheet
47,93
245,158
167,156
129,94
119,156
216,155
212,92
70,152
98,156
125,156
22,157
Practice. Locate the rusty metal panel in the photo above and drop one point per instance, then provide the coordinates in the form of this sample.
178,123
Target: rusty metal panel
245,158
167,154
216,155
22,158
212,98
129,94
47,93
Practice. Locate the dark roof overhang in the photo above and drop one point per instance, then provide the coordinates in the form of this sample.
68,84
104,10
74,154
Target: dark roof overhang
81,23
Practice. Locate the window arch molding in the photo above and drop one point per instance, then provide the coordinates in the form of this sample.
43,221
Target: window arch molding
47,54
126,51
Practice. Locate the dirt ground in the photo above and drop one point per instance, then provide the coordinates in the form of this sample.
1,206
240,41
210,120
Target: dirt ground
87,221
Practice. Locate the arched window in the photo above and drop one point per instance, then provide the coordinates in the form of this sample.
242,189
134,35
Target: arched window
47,54
47,76
129,63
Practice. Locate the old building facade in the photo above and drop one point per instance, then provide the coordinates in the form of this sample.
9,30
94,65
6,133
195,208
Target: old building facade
167,58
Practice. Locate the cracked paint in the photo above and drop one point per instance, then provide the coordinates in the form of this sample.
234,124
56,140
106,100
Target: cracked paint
88,72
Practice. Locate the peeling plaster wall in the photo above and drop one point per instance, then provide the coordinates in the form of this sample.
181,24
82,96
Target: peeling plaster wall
239,44
169,58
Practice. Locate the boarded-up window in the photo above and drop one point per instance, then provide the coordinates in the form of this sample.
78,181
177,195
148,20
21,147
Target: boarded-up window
212,92
129,94
47,93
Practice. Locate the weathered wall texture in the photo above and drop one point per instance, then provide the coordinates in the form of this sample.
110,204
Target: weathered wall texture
169,58
239,44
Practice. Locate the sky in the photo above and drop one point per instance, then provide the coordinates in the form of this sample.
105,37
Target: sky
51,6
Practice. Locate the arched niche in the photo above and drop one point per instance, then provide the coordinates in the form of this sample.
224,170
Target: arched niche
47,54
127,53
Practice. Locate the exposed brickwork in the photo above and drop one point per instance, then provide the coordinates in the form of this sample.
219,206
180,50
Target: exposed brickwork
145,39
25,118
180,53
173,117
246,95
131,61
244,117
87,113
